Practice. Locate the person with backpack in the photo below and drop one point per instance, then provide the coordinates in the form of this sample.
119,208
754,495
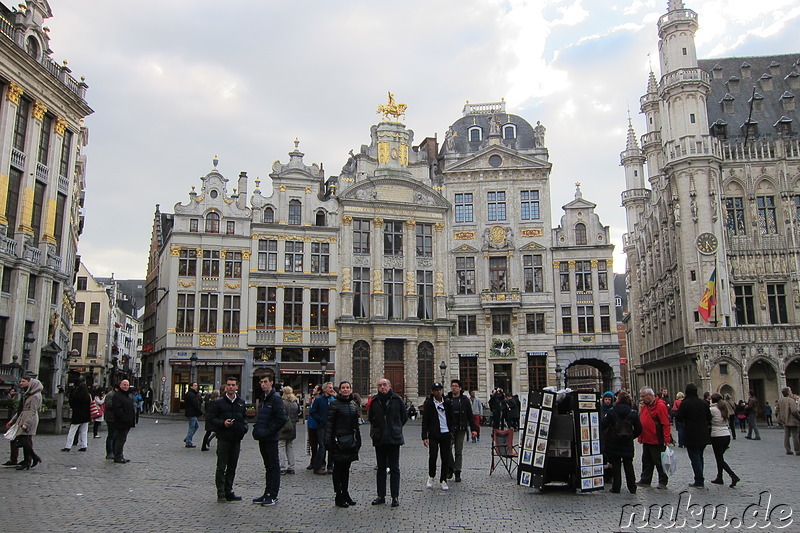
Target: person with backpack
696,417
621,425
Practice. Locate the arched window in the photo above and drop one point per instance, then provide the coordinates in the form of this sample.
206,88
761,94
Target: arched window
295,209
361,367
212,222
269,215
320,220
509,131
425,373
475,134
580,233
32,47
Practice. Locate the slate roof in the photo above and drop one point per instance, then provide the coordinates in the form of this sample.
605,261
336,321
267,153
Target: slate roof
524,140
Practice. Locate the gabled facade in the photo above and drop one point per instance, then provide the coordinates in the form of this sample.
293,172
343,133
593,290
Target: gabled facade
92,332
723,165
42,182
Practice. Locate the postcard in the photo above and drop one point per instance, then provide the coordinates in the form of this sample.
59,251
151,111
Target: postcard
547,400
586,461
586,484
541,446
538,460
587,405
586,448
527,457
525,479
598,482
595,419
595,447
585,434
544,431
595,433
546,417
587,397
584,420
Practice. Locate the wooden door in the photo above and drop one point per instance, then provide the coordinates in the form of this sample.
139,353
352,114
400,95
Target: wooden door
393,370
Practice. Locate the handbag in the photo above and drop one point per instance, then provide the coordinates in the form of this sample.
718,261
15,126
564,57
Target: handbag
94,410
346,442
11,434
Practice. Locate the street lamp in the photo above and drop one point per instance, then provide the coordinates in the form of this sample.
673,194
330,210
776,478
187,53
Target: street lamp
324,366
26,349
16,371
558,376
193,360
443,369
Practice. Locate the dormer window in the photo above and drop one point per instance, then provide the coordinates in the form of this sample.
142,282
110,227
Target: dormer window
269,215
793,79
784,126
509,131
733,84
787,99
751,129
320,219
758,102
766,82
295,209
727,103
745,68
212,222
580,233
475,134
32,47
719,129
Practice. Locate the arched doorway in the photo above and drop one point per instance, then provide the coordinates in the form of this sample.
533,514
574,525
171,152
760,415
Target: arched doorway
763,381
589,374
727,390
793,376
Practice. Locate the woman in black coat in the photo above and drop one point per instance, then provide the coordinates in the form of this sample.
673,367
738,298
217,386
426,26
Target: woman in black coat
79,402
696,418
343,440
618,445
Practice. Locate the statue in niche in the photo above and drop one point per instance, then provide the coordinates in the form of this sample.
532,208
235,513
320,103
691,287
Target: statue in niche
538,135
676,210
494,125
449,140
693,208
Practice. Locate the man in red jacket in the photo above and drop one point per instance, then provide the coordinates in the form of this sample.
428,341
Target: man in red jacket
656,434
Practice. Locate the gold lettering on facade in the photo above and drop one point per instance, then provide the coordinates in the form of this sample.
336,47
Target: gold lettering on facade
464,235
535,232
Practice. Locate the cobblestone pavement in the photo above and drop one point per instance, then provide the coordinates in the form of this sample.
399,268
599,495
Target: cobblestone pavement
168,487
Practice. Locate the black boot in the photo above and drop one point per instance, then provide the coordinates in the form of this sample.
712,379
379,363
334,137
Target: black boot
340,501
348,499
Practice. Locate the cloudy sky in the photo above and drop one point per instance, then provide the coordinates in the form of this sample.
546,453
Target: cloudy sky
175,82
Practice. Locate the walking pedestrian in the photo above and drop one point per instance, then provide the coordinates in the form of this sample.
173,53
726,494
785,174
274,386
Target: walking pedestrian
193,410
108,415
213,395
79,402
462,423
343,440
319,414
695,415
288,432
751,411
387,416
621,425
436,421
789,416
477,411
654,438
27,421
768,414
721,438
98,411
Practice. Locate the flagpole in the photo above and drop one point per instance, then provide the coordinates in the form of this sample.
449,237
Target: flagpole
716,290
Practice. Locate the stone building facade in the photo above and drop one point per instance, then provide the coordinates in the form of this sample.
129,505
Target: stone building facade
42,182
722,154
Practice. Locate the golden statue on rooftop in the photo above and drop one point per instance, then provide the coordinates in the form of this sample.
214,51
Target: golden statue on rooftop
392,108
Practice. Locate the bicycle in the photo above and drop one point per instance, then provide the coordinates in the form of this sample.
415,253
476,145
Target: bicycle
159,408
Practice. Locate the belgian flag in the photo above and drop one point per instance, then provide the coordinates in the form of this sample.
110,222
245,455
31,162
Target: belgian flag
709,298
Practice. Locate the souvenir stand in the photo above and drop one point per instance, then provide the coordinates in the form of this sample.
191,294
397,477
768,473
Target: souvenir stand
560,442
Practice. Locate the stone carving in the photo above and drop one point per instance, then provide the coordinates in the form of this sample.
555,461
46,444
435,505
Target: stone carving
346,280
449,140
367,193
423,199
497,237
494,125
538,135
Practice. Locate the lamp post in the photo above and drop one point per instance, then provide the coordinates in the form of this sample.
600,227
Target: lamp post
16,371
443,369
558,376
324,366
114,361
26,349
193,360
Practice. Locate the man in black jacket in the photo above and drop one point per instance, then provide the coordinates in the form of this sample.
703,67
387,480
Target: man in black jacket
194,409
437,418
227,416
271,418
387,416
124,419
462,422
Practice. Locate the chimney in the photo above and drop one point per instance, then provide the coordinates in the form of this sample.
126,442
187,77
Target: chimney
241,201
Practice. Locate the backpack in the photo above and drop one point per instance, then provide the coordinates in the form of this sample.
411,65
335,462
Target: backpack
622,429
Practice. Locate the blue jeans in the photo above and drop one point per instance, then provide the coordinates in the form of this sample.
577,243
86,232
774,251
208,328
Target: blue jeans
193,426
696,458
751,426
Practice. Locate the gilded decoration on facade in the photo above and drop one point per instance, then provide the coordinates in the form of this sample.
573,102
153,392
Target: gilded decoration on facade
502,348
175,251
223,253
439,283
383,152
534,232
14,92
292,336
186,284
246,255
464,235
308,190
403,154
587,339
392,109
39,109
410,282
60,126
208,340
233,285
439,227
346,279
282,188
571,265
377,222
377,281
411,224
347,220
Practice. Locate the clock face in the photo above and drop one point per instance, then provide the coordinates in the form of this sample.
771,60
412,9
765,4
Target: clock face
707,243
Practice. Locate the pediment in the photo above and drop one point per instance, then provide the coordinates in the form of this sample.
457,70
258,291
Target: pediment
394,190
579,203
508,159
532,246
464,249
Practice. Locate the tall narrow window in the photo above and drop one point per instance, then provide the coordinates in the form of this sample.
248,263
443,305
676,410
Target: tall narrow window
211,263
320,219
776,301
583,275
533,273
745,305
580,233
361,377
464,207
585,319
5,285
212,222
361,293
393,288
393,238
185,315
605,319
293,309
498,274
509,131
231,308
361,228
268,255
81,283
193,225
230,227
38,206
602,275
468,373
77,342
537,372
12,200
66,149
58,229
467,325
269,215
80,312
496,205
187,262
424,240
530,205
320,257
91,345
425,361
475,135
734,209
295,212
501,324
233,265
44,140
425,294
209,304
465,275
94,313
534,323
293,258
21,125
566,319
767,221
319,309
266,304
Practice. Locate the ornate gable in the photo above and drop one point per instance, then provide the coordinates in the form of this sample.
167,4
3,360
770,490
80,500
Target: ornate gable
496,157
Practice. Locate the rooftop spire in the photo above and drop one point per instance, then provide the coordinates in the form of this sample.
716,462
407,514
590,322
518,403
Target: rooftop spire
675,5
632,144
652,84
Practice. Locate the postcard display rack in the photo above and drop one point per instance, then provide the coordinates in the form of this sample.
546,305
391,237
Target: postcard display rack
561,441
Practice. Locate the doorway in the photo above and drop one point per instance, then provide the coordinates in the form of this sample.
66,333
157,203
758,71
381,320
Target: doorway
502,378
393,365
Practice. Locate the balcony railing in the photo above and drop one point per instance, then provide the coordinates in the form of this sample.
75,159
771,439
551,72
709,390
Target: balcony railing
265,335
17,159
491,298
42,172
32,254
8,246
184,339
692,145
744,335
319,337
230,340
